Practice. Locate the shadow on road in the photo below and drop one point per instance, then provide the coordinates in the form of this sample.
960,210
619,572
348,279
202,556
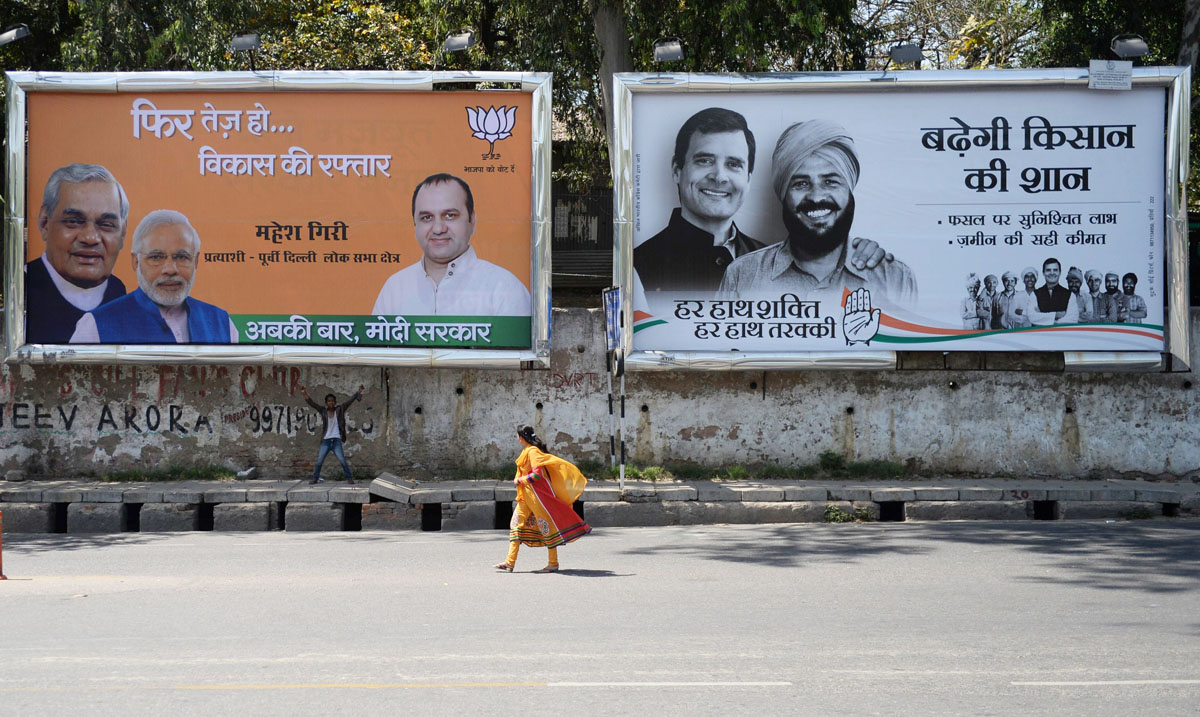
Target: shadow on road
1142,556
57,542
1152,557
593,574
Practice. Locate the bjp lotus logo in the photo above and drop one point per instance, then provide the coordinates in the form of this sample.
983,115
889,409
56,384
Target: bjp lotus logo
492,125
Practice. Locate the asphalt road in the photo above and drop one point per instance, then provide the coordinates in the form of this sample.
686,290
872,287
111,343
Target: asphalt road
964,618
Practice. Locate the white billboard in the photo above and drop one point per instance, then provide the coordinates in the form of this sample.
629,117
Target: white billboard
835,214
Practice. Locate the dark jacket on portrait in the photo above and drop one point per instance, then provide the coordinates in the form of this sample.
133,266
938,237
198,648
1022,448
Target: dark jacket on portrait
682,257
1052,298
136,319
340,411
49,318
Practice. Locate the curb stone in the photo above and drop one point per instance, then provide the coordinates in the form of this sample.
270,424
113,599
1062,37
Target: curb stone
397,502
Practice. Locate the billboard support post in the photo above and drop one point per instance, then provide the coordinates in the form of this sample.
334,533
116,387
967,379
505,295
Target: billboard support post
2,546
621,423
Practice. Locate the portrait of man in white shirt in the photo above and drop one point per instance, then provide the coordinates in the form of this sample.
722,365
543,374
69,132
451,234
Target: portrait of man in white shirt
450,279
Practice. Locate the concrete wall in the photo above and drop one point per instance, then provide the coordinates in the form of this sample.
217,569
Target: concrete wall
68,421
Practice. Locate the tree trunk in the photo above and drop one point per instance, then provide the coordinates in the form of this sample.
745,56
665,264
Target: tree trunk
487,27
613,39
1189,41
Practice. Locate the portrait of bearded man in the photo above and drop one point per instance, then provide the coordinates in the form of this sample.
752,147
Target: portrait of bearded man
815,168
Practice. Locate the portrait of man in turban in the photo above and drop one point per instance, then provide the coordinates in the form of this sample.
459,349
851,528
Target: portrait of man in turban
815,168
711,166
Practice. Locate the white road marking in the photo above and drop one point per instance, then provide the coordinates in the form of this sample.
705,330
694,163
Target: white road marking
1105,683
669,684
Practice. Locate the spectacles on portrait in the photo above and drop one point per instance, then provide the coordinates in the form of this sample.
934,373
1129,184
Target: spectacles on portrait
159,258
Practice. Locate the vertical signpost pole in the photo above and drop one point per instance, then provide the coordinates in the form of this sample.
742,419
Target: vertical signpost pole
621,423
612,426
611,306
2,546
613,319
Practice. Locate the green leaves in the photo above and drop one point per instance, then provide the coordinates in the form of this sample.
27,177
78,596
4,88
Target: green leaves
953,34
1072,32
349,36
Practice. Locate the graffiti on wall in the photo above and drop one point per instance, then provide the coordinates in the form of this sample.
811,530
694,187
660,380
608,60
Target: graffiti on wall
179,400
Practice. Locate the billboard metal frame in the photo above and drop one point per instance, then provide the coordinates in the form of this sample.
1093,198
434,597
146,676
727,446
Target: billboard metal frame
1177,81
18,84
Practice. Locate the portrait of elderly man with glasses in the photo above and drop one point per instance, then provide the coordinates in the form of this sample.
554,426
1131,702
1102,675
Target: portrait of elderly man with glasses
166,257
82,220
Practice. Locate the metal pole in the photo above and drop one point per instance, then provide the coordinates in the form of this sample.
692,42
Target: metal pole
2,546
612,430
621,370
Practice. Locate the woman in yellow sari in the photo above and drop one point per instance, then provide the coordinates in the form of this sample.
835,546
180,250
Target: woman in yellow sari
547,487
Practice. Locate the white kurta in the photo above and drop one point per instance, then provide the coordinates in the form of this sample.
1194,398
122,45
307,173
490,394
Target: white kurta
470,287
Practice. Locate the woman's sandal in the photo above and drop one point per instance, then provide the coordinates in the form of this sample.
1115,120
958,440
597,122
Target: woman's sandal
503,566
548,569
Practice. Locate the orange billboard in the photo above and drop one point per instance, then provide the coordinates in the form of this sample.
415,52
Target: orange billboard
308,218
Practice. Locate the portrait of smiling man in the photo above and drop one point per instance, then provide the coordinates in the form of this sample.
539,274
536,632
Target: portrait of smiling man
166,258
1053,297
1132,308
82,220
450,279
814,171
1103,306
711,167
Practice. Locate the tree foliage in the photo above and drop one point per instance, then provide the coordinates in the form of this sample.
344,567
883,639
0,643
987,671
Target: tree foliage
325,35
99,35
1073,32
952,34
746,36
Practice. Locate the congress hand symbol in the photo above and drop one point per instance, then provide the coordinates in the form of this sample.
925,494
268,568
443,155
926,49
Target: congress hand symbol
861,322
